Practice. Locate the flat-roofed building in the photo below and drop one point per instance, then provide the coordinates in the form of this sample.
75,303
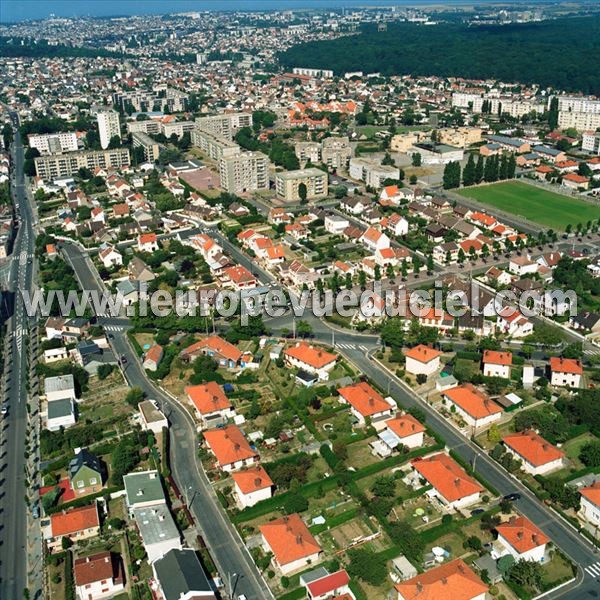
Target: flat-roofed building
55,166
54,143
225,125
212,145
150,146
287,184
244,172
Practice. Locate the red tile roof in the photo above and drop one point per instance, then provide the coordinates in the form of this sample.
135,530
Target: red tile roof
475,403
74,520
364,399
493,357
218,345
522,534
239,274
208,398
328,584
592,493
228,445
154,353
252,479
289,539
446,476
99,567
404,425
450,581
422,353
315,357
566,365
147,238
533,447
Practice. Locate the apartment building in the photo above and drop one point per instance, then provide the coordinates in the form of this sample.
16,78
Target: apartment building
54,166
403,142
460,137
54,143
590,142
287,184
178,128
372,172
244,172
336,152
150,146
225,125
149,126
109,126
324,73
577,104
163,98
214,146
581,121
308,152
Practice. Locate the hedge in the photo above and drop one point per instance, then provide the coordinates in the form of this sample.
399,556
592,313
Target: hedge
474,356
84,501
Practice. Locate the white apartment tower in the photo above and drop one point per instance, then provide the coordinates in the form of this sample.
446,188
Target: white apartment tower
108,127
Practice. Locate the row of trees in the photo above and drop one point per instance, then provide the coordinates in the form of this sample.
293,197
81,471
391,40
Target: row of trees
494,168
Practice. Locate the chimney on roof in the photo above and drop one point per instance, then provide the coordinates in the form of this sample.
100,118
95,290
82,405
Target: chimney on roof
520,534
299,540
457,482
236,446
257,481
534,538
419,587
444,580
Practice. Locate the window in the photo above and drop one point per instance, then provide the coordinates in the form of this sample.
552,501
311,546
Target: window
93,481
80,483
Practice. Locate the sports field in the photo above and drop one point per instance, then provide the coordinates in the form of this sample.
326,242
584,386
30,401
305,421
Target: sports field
552,210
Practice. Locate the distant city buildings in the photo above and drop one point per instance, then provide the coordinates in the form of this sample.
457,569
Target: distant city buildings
108,127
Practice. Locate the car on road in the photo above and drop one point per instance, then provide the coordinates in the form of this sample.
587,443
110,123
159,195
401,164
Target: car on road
4,409
35,513
111,336
477,511
123,360
512,497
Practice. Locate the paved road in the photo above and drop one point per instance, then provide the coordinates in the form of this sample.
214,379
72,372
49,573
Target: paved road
13,509
224,543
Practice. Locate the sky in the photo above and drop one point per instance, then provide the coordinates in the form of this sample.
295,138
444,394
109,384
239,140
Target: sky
19,10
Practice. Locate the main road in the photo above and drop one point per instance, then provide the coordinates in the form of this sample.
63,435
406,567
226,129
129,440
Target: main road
226,547
15,555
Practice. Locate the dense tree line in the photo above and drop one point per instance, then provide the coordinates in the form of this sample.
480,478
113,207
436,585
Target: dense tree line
553,53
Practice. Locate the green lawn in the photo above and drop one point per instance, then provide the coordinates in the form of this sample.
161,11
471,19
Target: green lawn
546,208
572,447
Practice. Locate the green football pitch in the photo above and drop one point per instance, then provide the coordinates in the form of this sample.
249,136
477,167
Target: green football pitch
535,204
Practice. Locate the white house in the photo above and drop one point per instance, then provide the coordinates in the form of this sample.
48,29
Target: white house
404,430
475,407
311,359
252,485
522,539
374,239
537,455
152,419
61,413
422,360
59,387
335,224
590,503
98,576
147,242
366,403
332,585
497,364
230,448
110,257
565,372
291,543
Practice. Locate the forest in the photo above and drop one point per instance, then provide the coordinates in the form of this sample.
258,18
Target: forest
560,53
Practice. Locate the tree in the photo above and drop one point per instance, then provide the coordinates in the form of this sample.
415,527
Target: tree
469,175
302,192
527,574
366,565
416,159
590,454
124,457
303,329
384,486
421,378
362,279
493,435
430,265
105,370
134,396
295,503
451,177
392,332
479,170
404,269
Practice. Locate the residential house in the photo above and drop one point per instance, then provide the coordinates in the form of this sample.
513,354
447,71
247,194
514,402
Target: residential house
565,372
366,403
252,485
179,575
98,576
497,364
513,323
152,419
226,354
240,278
153,357
139,271
230,448
76,524
590,503
157,529
311,359
330,586
110,257
474,406
452,581
374,239
335,224
537,455
61,414
211,404
422,360
147,242
450,483
396,224
522,265
291,543
86,473
521,539
402,430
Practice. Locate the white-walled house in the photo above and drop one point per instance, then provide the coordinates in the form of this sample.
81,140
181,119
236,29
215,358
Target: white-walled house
405,429
98,576
590,503
422,360
537,455
475,407
291,543
366,403
252,485
565,372
311,359
497,364
522,539
230,448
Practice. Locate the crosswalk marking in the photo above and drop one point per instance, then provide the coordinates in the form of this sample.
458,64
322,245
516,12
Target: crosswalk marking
114,327
594,570
347,346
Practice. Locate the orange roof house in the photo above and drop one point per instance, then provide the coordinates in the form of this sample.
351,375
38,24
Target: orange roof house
448,479
221,350
521,535
404,425
209,399
252,479
422,353
497,358
365,402
566,365
538,455
240,277
104,567
230,447
592,494
291,543
311,358
474,406
450,581
422,360
77,524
